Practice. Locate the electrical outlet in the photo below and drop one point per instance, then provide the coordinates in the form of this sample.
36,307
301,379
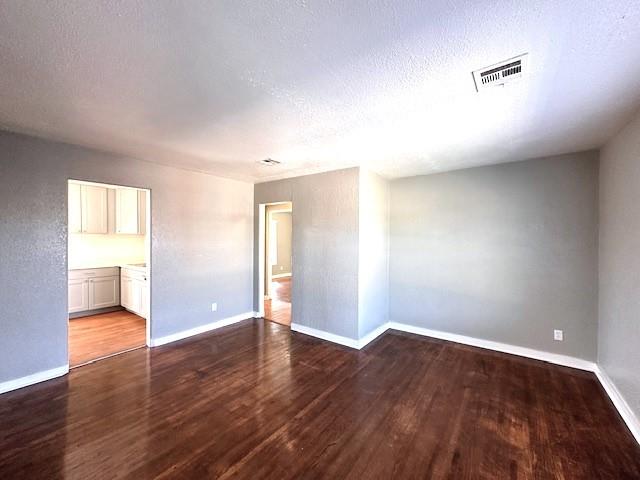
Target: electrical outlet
214,307
558,335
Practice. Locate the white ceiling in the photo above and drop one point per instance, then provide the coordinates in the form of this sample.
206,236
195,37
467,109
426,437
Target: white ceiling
215,86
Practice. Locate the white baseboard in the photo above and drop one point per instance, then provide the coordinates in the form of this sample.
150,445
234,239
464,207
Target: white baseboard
555,358
174,337
33,379
620,403
281,275
330,337
346,341
371,336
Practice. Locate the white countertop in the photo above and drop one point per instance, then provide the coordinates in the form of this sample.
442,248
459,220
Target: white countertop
138,267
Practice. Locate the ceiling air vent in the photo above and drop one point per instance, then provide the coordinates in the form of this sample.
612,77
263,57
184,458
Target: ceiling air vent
501,73
269,161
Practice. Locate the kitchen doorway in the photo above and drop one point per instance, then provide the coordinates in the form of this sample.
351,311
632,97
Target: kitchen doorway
276,259
109,270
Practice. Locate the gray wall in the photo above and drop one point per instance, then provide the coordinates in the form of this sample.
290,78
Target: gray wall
283,266
506,253
202,238
373,277
324,293
619,322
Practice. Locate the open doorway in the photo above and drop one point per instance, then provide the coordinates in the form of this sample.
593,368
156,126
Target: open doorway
109,274
276,261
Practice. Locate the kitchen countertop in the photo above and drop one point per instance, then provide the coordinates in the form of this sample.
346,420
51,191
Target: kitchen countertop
138,266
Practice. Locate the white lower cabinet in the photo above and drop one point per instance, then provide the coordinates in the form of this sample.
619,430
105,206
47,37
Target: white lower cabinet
78,295
134,292
93,288
104,292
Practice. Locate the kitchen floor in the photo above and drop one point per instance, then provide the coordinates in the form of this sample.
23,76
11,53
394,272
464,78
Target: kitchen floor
278,309
99,336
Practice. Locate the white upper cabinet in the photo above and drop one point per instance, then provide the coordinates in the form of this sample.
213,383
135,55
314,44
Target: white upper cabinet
88,209
100,209
130,211
94,209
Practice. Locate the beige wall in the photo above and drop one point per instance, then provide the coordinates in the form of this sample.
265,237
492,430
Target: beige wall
93,251
283,222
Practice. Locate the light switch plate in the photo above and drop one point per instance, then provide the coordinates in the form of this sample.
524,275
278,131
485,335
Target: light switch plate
558,335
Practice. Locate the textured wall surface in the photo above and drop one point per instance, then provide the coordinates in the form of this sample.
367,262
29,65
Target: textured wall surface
202,237
373,276
324,291
505,253
619,321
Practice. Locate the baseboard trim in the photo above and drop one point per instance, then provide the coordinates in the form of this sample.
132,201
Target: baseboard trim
22,382
558,359
346,341
330,337
371,336
174,337
281,275
620,403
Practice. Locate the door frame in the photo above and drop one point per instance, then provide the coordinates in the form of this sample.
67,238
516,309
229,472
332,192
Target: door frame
262,243
147,246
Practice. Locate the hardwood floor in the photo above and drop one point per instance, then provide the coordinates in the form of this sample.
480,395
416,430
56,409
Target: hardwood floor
255,400
102,335
278,309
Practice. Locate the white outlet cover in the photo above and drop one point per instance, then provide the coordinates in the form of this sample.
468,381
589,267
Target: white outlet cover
558,335
214,307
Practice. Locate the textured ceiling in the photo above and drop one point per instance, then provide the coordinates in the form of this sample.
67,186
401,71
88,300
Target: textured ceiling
215,86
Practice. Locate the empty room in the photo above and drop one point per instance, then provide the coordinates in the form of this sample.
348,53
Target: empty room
317,239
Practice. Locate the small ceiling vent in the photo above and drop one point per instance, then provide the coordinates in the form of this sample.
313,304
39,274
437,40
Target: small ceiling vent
501,73
269,161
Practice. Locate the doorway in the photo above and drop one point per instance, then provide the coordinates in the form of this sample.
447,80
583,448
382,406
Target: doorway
276,234
109,270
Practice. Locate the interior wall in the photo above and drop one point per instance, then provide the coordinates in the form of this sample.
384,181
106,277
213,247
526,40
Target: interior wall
619,292
373,275
283,223
506,253
202,240
324,248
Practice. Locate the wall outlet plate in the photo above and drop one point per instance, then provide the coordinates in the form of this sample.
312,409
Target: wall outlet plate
214,307
558,335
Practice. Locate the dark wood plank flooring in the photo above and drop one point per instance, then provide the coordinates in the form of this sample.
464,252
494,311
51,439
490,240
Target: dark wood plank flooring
255,400
99,336
278,308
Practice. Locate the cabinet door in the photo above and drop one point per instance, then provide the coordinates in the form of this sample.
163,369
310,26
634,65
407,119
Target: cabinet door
94,209
126,293
136,296
104,292
74,200
78,295
127,211
144,300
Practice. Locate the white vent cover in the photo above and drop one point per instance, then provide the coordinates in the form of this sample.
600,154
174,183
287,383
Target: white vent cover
501,73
